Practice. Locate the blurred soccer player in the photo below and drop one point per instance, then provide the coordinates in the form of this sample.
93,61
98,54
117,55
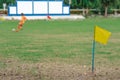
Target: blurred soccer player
22,21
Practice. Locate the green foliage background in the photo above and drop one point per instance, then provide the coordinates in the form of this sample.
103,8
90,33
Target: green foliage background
78,3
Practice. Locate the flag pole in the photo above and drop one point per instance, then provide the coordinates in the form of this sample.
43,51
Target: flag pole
93,56
93,52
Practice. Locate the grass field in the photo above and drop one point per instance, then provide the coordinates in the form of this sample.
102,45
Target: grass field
58,50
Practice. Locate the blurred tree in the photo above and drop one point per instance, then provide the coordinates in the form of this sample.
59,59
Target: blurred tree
106,4
117,4
74,4
86,5
8,2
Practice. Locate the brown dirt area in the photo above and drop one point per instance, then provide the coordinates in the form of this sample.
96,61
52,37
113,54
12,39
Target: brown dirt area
57,71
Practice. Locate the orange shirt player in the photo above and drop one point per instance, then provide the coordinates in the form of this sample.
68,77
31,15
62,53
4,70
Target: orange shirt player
22,21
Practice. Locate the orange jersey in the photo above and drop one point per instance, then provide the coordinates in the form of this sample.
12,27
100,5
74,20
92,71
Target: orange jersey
23,19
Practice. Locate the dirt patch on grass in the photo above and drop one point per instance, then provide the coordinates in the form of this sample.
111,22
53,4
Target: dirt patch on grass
56,71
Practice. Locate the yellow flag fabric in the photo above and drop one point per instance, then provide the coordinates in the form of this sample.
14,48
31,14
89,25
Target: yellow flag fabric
101,35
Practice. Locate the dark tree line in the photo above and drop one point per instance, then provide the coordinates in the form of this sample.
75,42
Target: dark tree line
101,5
82,4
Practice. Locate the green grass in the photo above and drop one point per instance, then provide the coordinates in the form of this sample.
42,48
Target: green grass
60,38
58,41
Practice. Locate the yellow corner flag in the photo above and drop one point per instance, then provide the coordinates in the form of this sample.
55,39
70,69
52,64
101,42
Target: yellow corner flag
101,35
